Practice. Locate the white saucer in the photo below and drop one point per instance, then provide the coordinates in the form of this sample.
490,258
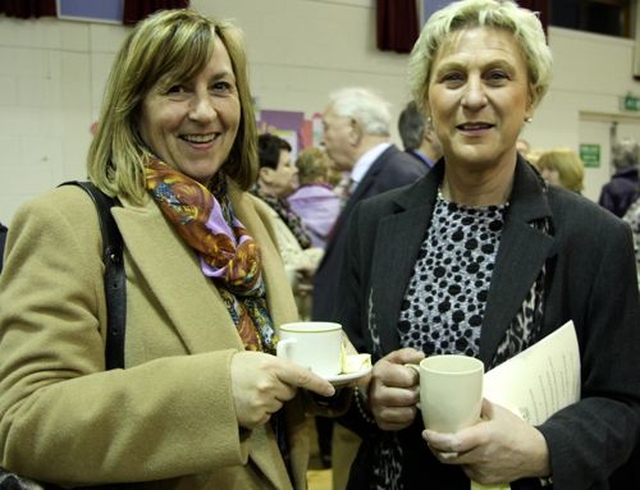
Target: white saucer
340,379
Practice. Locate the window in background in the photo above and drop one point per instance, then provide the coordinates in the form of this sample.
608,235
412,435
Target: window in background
610,17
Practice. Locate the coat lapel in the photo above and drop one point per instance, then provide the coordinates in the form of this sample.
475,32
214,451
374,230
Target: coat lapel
523,252
397,243
172,274
521,256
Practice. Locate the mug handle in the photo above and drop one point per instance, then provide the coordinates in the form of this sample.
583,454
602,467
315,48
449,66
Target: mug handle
415,367
282,349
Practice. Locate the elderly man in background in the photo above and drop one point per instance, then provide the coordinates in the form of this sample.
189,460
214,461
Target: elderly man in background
357,137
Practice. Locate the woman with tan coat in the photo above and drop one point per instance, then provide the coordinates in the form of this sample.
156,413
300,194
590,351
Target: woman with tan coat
202,403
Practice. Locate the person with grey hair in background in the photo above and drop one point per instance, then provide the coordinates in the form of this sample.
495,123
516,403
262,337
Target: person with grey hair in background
418,137
357,137
621,191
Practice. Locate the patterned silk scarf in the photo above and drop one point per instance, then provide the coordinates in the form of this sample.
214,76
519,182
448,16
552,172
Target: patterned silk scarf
206,221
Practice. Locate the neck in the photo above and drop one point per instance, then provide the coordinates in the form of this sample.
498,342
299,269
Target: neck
477,189
368,142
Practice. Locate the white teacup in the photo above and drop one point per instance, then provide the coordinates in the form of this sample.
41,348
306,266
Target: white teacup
450,391
316,345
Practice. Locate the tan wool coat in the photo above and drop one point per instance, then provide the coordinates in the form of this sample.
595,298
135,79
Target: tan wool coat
168,420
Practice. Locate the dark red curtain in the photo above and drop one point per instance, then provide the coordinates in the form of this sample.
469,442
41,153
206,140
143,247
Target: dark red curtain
25,9
541,6
398,25
135,10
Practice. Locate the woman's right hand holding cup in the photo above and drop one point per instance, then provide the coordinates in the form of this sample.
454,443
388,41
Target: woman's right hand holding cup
262,383
394,389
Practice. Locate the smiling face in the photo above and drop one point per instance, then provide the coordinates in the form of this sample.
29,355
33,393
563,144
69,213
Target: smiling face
192,125
479,97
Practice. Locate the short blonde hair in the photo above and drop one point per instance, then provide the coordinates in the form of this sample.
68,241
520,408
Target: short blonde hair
567,163
169,46
498,14
313,166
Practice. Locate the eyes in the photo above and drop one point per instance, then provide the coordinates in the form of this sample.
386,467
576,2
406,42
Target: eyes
217,88
457,78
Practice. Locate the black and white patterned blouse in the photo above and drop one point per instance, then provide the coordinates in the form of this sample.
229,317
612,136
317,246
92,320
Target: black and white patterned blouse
445,300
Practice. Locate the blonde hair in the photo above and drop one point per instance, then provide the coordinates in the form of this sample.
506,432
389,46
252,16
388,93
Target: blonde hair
497,14
313,166
168,47
567,163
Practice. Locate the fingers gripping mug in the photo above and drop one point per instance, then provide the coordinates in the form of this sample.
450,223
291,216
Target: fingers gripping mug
450,391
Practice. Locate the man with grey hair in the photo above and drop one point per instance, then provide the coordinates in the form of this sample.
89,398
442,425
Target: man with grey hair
418,137
623,189
356,136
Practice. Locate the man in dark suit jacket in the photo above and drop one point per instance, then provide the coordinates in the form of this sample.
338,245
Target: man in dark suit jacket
356,136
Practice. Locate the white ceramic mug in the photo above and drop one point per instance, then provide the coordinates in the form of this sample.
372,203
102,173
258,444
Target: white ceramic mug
450,391
316,345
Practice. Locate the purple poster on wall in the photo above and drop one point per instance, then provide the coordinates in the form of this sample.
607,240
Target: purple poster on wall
286,124
91,11
430,6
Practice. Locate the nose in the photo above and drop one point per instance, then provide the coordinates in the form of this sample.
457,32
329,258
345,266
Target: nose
474,94
202,108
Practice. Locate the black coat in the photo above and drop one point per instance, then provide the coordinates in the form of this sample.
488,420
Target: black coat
392,169
590,279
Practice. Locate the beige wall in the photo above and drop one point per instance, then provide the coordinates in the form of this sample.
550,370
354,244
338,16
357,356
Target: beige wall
52,74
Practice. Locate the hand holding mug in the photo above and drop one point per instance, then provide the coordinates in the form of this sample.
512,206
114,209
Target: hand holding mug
450,391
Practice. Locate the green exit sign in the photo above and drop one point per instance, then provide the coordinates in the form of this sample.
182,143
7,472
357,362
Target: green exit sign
590,155
630,103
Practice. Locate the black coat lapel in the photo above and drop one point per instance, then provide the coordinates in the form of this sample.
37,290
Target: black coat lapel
397,243
521,256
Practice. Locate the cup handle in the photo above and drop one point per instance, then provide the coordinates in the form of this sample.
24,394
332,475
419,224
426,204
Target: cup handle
282,349
415,367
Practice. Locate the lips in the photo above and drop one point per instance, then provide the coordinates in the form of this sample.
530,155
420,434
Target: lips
199,139
474,126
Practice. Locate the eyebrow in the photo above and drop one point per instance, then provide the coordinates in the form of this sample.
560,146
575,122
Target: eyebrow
218,75
504,64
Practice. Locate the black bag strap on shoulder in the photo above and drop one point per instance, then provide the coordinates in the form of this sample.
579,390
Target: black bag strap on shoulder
114,276
115,293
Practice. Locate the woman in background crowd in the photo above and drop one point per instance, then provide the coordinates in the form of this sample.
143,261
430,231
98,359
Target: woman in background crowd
562,167
624,187
314,200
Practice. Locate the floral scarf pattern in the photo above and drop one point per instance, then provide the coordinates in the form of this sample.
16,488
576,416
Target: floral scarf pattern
228,254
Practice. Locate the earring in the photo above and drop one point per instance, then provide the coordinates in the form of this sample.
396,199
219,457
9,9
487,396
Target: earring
528,119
